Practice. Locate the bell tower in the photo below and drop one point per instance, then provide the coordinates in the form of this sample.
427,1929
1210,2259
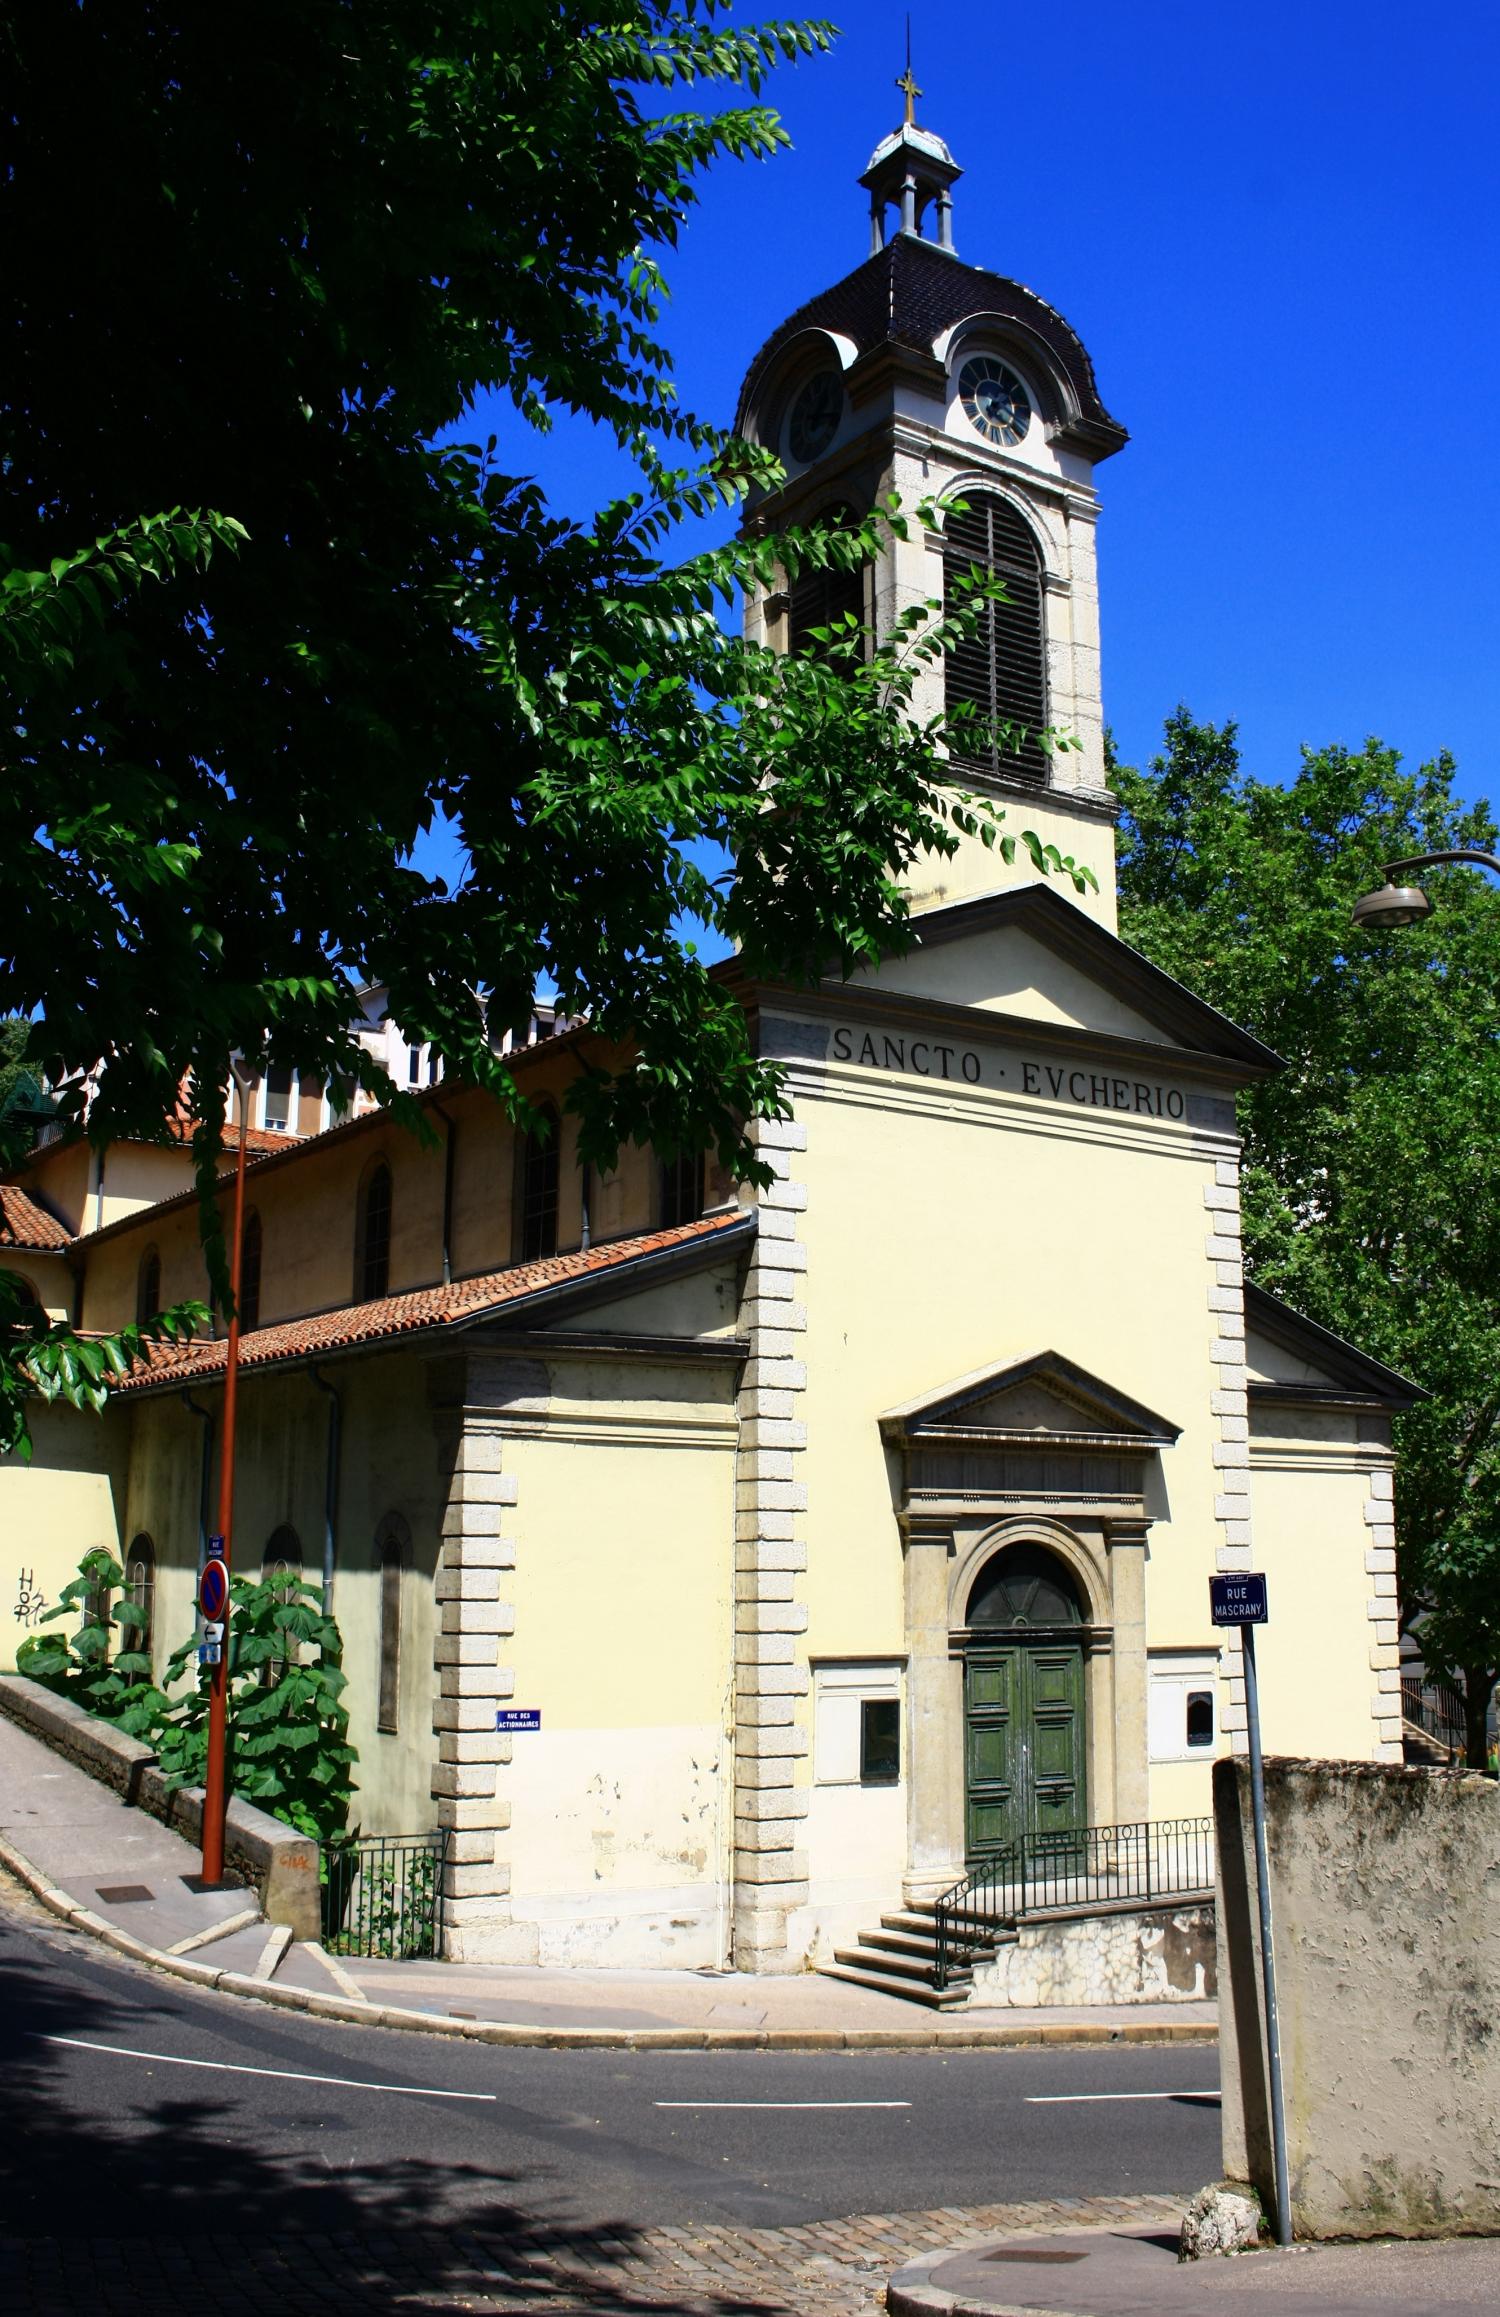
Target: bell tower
947,383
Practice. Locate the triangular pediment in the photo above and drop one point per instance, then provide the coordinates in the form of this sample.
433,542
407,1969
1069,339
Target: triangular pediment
1038,1399
1291,1358
1029,954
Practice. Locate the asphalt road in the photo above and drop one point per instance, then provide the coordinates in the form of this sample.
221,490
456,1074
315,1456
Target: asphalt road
290,2124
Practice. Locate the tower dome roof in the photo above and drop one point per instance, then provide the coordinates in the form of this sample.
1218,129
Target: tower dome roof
912,292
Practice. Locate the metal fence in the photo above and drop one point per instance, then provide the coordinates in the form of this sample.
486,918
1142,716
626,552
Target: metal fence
383,1896
1074,1867
1436,1709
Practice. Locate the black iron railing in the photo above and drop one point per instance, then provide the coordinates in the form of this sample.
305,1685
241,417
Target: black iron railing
1437,1710
1160,1858
383,1896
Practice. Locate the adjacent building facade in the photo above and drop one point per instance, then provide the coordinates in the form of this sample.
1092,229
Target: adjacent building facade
834,1534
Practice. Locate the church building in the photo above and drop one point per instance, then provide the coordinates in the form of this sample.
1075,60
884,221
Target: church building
818,1541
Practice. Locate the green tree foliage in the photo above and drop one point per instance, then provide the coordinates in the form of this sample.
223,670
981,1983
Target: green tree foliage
94,1661
1370,1162
23,1100
287,1726
317,251
41,1359
294,265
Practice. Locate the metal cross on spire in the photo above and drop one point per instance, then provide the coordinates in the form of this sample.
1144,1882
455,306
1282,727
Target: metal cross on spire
907,83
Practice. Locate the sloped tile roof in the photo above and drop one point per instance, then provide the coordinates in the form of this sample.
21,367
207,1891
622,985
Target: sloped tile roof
24,1224
423,1310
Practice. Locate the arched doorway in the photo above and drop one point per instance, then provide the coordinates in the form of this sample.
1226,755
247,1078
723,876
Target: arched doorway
1024,1723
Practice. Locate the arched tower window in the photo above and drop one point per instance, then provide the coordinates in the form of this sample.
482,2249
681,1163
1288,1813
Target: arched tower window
1001,672
282,1571
680,1190
140,1589
148,1286
539,1182
1024,1588
372,1243
250,1248
392,1554
819,597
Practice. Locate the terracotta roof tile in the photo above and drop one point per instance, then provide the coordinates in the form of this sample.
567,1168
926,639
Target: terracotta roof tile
420,1311
24,1224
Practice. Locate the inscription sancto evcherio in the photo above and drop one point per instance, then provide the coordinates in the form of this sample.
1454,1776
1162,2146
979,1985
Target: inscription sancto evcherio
1048,1082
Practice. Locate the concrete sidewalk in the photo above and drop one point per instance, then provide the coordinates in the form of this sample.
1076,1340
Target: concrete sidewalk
115,1872
1132,2273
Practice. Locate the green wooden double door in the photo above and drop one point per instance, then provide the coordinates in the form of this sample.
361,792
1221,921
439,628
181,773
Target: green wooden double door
1023,1742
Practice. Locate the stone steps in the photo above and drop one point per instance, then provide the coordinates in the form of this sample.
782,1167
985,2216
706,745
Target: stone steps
900,1958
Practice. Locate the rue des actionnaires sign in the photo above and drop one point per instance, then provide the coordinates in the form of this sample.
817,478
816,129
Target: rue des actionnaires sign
927,1057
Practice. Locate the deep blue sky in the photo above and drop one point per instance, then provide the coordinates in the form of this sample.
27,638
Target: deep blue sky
1277,230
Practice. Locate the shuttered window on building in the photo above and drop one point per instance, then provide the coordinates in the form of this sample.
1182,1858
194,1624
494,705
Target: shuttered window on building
816,599
1002,669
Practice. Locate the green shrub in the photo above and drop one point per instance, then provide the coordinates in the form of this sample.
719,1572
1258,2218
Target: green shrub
80,1664
288,1732
288,1744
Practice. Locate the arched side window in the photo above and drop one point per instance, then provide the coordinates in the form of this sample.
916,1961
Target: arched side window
819,598
392,1556
372,1243
26,1286
282,1570
1001,671
1025,1588
140,1589
250,1251
539,1181
148,1286
680,1190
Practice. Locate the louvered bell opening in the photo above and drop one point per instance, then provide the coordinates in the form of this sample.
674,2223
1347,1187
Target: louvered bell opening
819,598
1001,671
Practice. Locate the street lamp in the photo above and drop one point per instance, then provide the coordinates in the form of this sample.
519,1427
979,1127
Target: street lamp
1395,904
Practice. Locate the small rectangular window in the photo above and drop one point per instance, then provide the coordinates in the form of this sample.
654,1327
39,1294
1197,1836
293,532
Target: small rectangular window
1200,1717
278,1097
413,1065
879,1741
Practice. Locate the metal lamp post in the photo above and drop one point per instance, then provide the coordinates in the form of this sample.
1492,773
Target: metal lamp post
1395,904
215,1785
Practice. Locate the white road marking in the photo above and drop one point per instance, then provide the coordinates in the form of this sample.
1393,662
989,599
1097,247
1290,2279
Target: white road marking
1078,2099
122,2051
781,2103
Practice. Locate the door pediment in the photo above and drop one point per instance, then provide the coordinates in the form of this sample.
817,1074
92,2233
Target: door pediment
1033,1429
1040,1400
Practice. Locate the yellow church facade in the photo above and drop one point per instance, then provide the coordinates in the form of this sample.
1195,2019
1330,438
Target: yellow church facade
722,1566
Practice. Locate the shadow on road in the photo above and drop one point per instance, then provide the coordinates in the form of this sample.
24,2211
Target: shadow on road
159,2203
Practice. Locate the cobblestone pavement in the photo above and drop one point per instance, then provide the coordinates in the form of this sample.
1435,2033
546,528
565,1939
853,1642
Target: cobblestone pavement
835,2268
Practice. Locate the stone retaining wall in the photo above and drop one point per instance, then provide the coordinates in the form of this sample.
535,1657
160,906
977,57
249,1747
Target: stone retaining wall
1385,1894
276,1861
1147,1955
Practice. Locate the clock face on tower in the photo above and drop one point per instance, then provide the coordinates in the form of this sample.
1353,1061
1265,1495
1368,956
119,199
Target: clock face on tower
815,416
995,402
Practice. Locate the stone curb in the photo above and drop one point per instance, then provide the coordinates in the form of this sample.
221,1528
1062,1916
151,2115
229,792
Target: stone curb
911,2293
517,2033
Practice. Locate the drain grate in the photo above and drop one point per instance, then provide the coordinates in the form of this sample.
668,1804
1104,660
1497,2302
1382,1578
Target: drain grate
1005,2253
121,1894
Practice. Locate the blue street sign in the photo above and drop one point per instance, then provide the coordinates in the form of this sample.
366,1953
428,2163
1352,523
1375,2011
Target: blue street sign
1238,1600
518,1717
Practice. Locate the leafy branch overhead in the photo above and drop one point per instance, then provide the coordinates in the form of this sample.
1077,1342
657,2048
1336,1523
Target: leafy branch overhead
228,732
